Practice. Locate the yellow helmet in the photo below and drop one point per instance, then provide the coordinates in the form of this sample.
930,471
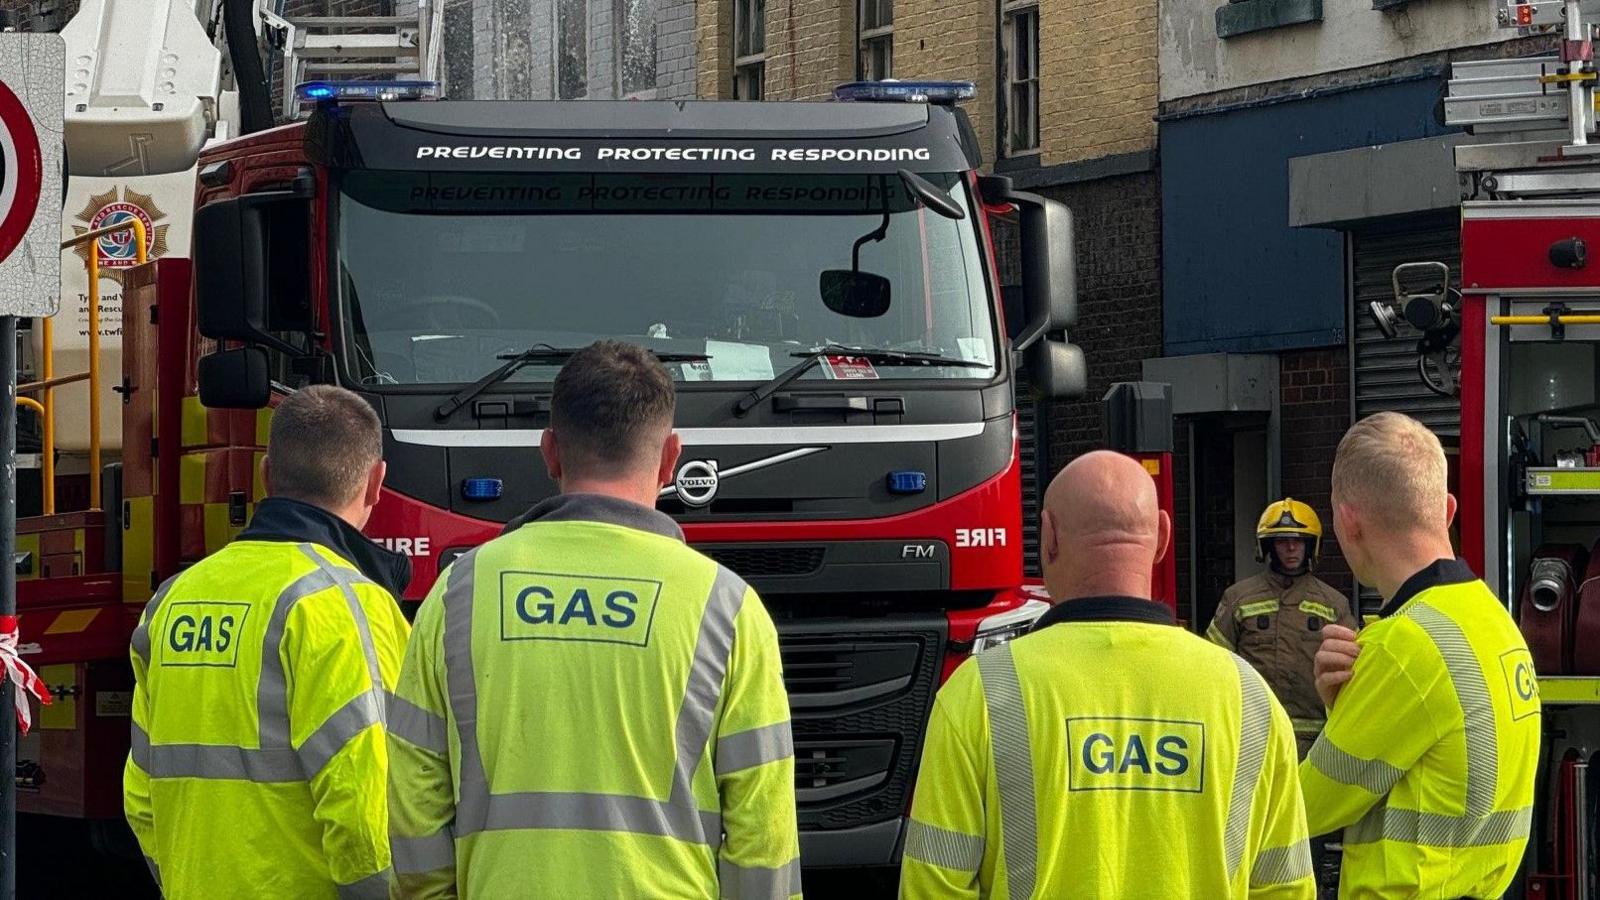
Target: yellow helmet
1289,518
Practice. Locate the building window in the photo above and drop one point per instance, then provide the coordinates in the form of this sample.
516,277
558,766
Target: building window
459,50
1022,75
638,46
749,48
572,59
877,39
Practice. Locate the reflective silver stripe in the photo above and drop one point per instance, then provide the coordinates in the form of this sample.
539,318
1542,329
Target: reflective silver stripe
339,729
417,726
1255,723
755,747
703,688
1013,766
265,766
1483,753
523,438
1282,865
373,887
472,804
1434,830
944,848
347,580
155,870
599,812
272,689
141,634
1371,775
420,855
742,883
139,747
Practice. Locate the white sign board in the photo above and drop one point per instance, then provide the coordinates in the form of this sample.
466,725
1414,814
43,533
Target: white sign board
32,93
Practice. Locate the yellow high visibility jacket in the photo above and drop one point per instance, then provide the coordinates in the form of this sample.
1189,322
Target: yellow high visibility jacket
590,705
258,766
1107,754
1429,757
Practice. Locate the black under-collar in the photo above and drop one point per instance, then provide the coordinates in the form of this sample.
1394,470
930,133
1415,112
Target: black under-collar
282,519
1106,609
1439,572
598,508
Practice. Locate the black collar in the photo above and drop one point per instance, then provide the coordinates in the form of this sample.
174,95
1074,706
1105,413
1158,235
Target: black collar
1439,572
1106,609
598,508
282,519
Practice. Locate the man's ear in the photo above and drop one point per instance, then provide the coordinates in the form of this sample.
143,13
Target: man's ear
1049,538
1450,509
551,453
375,478
671,450
266,474
1163,535
1346,525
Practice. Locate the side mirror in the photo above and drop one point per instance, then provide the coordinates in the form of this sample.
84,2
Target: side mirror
250,259
860,295
235,379
1049,262
1058,369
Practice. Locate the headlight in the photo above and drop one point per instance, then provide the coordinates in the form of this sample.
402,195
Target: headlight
1007,626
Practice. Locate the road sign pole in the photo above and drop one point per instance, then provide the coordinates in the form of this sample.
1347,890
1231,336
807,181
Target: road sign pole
8,604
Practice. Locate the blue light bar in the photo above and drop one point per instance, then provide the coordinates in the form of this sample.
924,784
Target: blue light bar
907,482
941,92
335,91
482,488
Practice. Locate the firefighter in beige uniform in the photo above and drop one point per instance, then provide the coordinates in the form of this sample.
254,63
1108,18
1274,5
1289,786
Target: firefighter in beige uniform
1274,620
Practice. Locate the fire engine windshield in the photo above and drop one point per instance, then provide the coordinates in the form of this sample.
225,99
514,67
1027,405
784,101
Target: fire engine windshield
442,274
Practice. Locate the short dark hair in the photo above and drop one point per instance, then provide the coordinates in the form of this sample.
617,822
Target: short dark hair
611,408
324,442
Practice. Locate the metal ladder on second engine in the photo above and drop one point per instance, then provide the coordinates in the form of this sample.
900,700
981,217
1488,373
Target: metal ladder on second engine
397,47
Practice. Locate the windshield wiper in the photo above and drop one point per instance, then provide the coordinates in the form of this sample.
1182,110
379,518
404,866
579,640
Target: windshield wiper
538,353
810,358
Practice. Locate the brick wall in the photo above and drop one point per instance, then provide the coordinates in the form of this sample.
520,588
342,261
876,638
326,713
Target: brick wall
713,49
1117,222
951,39
1097,78
1315,405
810,48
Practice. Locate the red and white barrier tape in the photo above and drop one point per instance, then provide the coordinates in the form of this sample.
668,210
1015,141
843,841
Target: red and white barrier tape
23,680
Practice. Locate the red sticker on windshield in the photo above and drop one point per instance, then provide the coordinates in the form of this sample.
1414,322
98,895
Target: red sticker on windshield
850,368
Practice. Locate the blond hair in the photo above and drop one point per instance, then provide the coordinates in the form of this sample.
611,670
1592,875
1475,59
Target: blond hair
1392,470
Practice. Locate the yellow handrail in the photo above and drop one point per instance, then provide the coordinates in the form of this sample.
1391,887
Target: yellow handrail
32,404
47,338
1573,319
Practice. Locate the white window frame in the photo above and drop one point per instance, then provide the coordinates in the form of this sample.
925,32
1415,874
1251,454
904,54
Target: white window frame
752,66
871,38
1027,82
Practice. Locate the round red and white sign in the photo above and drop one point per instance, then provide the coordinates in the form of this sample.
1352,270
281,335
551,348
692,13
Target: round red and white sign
21,171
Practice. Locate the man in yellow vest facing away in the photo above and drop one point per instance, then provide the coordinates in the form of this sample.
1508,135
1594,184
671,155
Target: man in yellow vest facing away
259,764
588,707
1108,753
1431,750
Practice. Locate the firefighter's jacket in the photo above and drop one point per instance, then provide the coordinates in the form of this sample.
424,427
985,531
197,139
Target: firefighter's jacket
259,765
1107,754
589,704
1275,622
1429,757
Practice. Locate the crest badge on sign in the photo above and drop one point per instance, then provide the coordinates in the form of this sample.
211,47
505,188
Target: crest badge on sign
117,251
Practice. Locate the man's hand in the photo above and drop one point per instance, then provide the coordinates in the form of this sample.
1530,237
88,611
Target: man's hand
1336,659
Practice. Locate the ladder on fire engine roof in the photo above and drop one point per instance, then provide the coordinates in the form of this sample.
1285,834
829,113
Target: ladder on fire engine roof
1533,119
347,48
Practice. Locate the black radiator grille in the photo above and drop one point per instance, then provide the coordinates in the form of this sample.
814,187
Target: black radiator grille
764,562
860,704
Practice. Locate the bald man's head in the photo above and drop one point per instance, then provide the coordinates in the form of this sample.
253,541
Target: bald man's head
1103,529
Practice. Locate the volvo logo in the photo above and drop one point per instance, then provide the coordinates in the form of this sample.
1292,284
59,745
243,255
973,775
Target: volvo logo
697,482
